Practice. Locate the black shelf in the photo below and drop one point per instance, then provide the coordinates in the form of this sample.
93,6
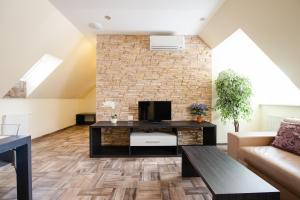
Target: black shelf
140,151
111,151
125,151
85,118
99,150
153,151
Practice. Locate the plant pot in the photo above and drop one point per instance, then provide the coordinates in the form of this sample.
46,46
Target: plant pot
200,119
114,120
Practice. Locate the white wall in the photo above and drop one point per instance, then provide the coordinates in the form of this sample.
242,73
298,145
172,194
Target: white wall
88,103
270,85
272,24
44,115
271,115
265,118
32,28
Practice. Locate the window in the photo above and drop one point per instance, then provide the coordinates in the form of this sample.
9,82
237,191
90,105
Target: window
40,71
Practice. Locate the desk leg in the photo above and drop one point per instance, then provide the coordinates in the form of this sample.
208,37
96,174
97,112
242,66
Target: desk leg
23,169
209,135
95,142
187,170
129,135
175,131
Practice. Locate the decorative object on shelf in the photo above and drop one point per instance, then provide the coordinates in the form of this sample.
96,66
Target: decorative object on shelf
114,118
234,96
112,105
200,110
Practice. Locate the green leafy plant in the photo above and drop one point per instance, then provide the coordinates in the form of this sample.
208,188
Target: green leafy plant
234,95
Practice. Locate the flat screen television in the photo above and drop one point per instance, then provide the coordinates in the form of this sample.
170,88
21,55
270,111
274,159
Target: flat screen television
154,110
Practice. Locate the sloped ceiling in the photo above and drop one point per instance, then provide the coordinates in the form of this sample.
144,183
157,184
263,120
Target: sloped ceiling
74,78
32,28
138,16
274,25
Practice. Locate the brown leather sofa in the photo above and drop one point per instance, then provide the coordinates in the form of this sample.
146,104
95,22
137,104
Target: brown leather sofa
278,167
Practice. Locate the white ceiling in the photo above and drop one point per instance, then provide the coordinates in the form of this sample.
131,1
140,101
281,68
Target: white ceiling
181,17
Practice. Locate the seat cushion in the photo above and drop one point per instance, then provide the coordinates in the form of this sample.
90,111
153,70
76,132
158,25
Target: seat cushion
281,166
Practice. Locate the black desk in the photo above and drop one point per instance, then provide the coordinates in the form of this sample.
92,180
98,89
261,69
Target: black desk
22,145
99,150
226,178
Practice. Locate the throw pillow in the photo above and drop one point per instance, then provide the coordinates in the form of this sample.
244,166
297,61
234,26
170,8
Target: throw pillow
288,137
292,120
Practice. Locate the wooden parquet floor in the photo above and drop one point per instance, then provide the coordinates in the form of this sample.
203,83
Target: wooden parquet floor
63,170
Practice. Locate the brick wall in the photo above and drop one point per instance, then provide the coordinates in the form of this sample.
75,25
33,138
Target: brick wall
128,72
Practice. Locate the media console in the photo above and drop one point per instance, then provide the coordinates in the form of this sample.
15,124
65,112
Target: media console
143,146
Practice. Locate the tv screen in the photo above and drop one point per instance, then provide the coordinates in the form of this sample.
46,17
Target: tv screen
154,110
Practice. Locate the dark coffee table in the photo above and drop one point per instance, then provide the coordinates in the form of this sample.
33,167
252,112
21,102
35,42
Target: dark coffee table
226,178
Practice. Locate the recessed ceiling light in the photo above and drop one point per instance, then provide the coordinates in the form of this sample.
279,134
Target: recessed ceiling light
202,19
95,25
107,17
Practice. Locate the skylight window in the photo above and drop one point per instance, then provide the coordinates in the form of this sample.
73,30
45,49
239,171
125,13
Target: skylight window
40,71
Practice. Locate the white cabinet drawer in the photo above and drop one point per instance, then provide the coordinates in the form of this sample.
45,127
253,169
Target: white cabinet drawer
152,139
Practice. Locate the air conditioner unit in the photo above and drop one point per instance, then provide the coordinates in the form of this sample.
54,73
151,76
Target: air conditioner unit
163,43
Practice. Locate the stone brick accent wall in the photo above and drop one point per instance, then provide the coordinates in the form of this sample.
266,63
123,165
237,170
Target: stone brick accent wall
128,72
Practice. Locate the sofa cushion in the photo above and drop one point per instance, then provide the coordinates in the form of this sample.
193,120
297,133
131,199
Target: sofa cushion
288,137
281,166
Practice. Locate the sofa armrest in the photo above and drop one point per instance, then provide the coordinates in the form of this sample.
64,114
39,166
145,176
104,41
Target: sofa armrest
237,140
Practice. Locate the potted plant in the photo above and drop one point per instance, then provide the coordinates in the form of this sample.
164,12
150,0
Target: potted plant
233,97
112,105
200,110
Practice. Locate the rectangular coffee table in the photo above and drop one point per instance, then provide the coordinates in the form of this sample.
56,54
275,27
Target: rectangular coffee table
226,178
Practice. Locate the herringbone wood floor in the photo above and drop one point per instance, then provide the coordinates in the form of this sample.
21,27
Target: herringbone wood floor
62,169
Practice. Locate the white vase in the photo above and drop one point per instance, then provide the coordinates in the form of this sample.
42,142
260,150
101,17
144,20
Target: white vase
114,120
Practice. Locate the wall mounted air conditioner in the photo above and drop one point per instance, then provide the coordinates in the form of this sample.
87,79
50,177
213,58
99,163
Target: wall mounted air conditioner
164,43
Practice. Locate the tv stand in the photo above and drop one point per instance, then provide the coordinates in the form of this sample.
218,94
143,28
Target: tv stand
99,150
155,122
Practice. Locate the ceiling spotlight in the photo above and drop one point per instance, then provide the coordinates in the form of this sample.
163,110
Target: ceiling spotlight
95,25
107,17
202,19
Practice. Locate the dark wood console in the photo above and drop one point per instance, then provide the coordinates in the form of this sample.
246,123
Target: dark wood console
99,150
85,118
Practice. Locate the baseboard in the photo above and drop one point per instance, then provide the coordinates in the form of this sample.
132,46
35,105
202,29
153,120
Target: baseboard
222,143
51,134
